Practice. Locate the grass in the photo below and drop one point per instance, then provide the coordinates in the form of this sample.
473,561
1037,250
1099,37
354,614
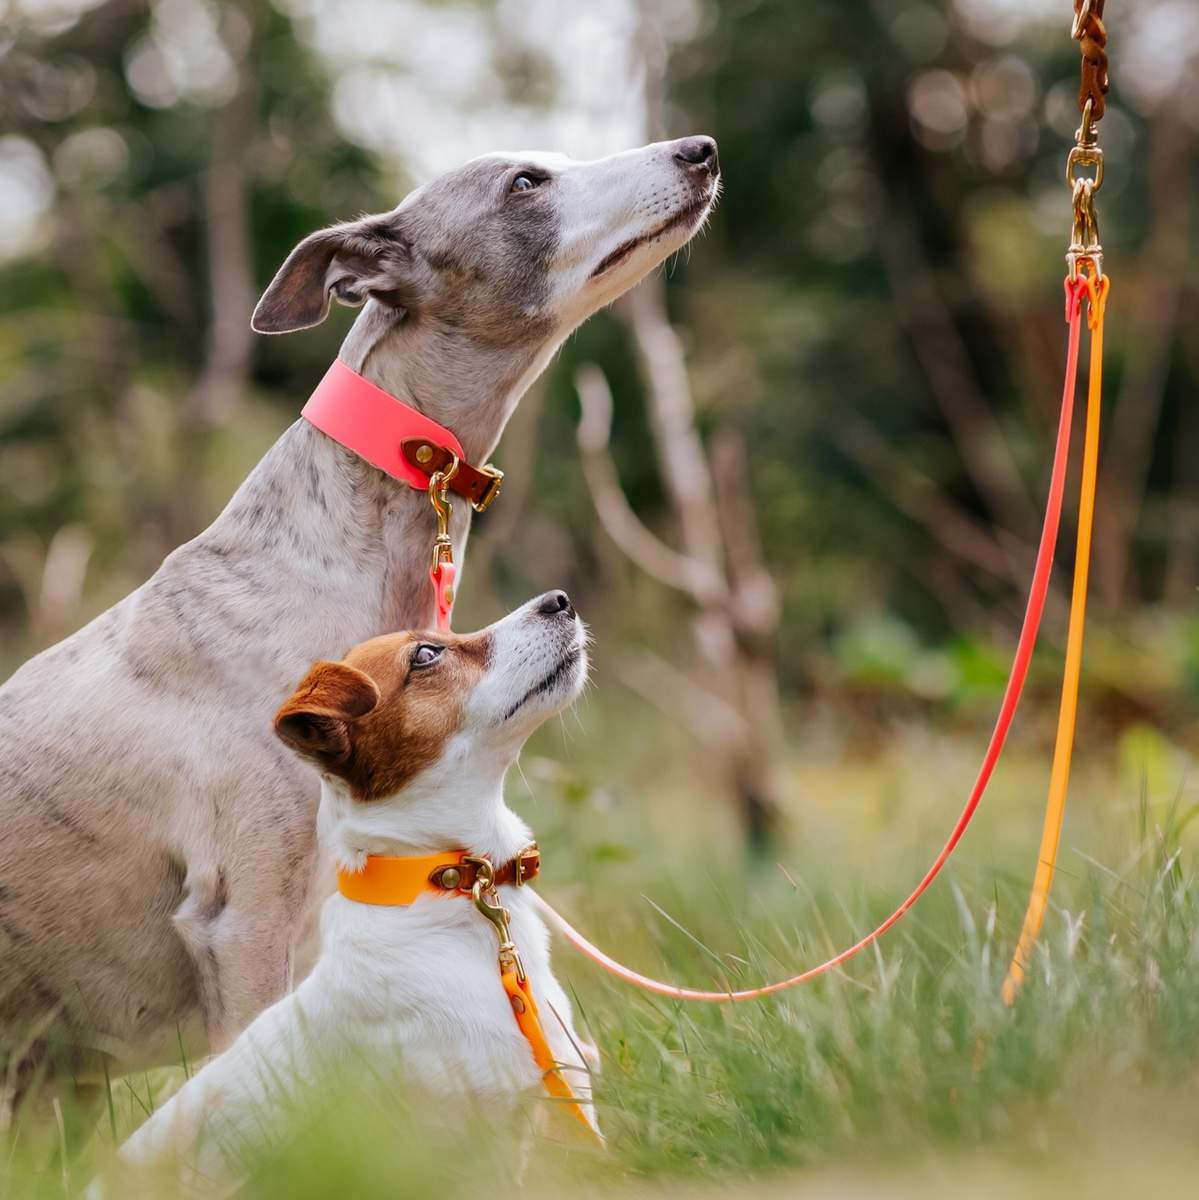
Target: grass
903,1073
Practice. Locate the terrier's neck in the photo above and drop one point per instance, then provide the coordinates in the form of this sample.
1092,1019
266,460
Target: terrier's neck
440,810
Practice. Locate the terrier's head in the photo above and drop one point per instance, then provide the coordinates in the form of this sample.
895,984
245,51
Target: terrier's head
405,704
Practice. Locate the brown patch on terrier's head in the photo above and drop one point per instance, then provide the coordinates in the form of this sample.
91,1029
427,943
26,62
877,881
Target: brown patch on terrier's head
387,710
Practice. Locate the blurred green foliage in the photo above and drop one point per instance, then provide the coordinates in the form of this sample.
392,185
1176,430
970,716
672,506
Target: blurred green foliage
876,305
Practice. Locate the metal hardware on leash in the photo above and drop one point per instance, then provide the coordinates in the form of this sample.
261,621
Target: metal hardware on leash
1088,30
487,901
439,483
1084,238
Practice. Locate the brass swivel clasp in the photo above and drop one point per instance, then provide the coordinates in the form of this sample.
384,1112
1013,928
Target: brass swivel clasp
439,484
1085,156
487,901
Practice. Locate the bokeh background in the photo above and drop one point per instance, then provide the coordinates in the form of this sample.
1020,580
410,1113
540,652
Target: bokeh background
797,663
867,342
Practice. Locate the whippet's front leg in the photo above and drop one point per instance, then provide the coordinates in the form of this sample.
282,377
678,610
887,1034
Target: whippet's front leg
241,934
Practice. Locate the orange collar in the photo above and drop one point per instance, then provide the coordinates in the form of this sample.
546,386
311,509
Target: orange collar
397,881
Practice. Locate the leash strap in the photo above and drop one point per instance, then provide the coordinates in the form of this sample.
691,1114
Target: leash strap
528,1019
443,576
393,880
444,571
1059,776
1075,290
1084,257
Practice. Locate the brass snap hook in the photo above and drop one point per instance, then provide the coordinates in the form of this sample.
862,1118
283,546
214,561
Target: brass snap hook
439,483
487,901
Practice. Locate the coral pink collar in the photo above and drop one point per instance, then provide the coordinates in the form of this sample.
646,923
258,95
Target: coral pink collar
395,437
374,424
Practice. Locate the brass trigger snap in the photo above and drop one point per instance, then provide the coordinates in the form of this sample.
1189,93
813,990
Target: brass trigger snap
487,901
439,483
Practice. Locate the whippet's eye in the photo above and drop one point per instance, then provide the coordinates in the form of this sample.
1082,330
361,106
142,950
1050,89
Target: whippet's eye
525,182
426,655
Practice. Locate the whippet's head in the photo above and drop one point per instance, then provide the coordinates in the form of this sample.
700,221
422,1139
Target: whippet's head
510,250
440,715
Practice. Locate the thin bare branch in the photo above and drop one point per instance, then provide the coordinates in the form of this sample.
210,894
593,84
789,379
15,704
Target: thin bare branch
518,452
755,601
918,497
672,418
710,719
622,525
230,270
1137,410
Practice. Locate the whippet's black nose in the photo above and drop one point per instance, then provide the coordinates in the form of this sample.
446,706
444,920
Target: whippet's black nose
553,603
698,152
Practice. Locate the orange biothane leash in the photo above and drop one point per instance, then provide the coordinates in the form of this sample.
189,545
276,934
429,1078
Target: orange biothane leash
1059,778
1084,251
392,880
398,881
1076,291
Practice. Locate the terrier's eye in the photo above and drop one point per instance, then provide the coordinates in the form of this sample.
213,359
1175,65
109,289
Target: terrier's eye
525,182
426,655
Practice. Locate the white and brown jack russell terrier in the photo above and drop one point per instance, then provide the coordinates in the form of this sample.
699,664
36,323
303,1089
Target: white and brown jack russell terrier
412,734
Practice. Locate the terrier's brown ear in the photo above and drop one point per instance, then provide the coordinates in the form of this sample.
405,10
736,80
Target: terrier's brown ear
315,719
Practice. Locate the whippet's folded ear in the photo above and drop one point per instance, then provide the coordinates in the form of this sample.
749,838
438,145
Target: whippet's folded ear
370,257
315,719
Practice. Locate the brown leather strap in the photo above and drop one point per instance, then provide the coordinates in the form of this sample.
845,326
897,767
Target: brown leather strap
1092,39
479,485
519,870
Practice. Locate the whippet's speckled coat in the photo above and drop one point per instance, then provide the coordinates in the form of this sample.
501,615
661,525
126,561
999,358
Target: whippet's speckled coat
159,855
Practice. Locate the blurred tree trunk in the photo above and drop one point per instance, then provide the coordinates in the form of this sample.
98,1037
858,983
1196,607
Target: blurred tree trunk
734,710
229,346
1136,412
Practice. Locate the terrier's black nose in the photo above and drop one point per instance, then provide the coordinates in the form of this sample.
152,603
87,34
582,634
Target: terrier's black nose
698,152
553,603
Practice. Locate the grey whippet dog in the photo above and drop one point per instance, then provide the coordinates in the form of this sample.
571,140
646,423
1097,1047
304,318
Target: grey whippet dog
159,858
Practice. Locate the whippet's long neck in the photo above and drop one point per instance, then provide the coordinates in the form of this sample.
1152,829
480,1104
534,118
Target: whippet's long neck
470,386
359,540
